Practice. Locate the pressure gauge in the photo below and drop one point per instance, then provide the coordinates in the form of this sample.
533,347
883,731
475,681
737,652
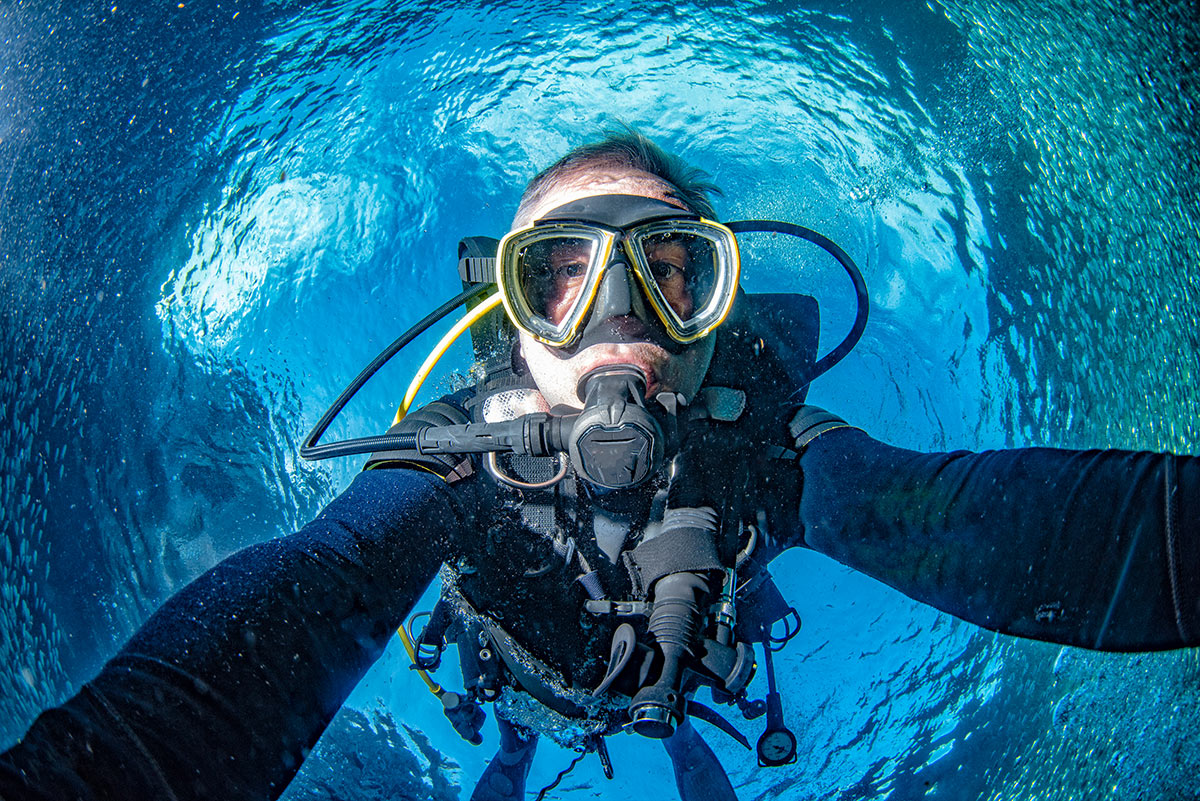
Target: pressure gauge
776,747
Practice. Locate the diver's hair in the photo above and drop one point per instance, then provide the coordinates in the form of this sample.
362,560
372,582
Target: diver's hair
624,148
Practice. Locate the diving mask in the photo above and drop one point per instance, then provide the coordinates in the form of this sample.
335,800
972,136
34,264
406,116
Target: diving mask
573,265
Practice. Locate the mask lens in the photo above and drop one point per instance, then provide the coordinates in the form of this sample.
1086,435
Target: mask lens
684,266
553,273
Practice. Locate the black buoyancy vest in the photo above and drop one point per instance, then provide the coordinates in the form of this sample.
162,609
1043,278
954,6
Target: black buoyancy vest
546,552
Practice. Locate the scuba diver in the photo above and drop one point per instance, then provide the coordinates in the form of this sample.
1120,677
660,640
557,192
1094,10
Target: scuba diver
601,508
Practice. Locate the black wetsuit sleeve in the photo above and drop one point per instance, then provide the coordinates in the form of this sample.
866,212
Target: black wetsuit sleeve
1093,548
226,688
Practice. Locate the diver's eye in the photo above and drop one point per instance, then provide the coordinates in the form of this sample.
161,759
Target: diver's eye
663,269
570,270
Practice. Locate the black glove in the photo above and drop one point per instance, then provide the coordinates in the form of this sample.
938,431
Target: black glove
451,467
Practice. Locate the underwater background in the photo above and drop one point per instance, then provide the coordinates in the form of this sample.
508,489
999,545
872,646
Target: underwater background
213,213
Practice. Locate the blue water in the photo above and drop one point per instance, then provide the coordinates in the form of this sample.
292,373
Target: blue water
212,213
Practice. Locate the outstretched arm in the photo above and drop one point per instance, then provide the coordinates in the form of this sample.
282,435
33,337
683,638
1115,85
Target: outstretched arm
1099,549
226,688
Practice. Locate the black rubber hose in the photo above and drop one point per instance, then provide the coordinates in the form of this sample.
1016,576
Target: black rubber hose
310,450
360,445
860,287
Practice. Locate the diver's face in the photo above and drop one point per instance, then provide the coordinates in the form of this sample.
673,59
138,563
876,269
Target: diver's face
557,377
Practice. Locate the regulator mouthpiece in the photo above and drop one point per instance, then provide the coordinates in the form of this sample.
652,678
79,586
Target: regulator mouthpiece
616,443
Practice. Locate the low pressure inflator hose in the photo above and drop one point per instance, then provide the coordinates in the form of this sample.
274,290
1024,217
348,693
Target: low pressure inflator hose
674,623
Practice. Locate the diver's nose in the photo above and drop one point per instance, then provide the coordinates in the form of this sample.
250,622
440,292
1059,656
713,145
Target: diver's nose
614,295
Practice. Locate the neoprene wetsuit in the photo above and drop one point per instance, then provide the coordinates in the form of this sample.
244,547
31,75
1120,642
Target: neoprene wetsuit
227,687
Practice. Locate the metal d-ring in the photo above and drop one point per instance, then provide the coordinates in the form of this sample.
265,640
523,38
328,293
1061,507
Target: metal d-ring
493,467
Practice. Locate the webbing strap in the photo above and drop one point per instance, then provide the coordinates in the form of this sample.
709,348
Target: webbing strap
681,550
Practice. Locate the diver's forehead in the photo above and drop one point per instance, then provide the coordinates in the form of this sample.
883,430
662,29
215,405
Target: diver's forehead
599,182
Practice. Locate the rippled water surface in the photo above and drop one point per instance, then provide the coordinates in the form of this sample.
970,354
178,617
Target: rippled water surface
212,213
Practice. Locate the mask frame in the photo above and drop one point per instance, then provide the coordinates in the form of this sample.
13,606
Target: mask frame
614,248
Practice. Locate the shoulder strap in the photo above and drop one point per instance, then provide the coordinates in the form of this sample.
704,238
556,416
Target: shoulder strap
768,345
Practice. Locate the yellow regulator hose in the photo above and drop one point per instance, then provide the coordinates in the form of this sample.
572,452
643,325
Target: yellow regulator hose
468,320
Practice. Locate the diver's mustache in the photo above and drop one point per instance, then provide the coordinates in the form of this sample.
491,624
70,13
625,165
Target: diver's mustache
625,329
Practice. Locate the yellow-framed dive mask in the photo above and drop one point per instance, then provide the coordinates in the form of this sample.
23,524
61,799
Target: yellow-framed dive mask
573,266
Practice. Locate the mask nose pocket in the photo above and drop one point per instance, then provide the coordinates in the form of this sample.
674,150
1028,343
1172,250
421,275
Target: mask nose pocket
614,298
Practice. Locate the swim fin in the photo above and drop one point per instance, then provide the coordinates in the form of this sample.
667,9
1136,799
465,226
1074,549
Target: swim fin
504,777
698,774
